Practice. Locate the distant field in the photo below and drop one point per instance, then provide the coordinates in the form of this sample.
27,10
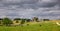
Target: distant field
41,26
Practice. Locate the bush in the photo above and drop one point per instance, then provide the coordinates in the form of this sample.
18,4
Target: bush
17,21
27,24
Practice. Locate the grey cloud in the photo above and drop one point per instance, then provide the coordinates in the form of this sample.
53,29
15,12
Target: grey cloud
30,8
30,3
20,1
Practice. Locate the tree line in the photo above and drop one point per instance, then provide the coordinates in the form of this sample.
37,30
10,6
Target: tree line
7,21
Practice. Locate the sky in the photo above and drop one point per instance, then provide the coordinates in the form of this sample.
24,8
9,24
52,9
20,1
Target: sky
43,9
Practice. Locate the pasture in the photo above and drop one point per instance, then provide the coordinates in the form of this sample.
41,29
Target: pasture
33,26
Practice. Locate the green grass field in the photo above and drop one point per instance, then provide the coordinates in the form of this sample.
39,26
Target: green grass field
42,26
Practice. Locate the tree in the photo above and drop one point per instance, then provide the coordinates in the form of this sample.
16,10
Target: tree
35,19
17,20
28,20
1,20
45,19
7,21
23,21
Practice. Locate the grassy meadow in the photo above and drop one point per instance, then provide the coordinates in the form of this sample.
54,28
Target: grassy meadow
33,26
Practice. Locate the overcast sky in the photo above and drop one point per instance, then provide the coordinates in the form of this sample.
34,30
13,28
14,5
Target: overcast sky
30,8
